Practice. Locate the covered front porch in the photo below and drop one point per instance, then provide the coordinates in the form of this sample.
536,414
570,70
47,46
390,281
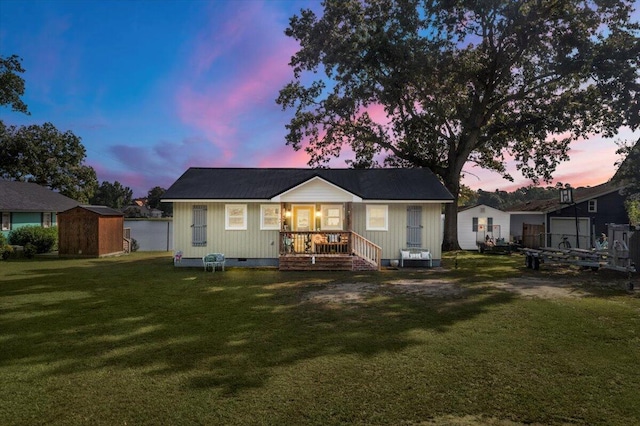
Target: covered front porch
327,250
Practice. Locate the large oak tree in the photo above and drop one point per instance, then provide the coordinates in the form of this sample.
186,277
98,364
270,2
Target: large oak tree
48,157
40,154
460,82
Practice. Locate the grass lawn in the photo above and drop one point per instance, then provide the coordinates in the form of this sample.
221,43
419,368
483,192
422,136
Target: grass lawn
134,341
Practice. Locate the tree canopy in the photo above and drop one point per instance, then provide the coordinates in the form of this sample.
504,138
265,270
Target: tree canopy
46,156
441,83
12,84
113,195
154,201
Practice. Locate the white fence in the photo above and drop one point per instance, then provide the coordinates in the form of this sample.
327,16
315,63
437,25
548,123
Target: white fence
152,234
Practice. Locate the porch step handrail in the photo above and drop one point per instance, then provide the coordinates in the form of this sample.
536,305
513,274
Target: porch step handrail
365,249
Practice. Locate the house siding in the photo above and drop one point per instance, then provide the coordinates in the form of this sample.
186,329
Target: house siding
20,219
467,237
252,243
395,237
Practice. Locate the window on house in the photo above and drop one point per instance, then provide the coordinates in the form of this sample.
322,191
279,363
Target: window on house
489,223
270,216
474,224
46,220
199,226
6,221
593,206
235,217
331,216
377,218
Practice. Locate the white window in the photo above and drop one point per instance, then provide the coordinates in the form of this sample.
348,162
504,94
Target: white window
199,226
6,221
331,216
270,216
235,217
593,206
46,220
377,217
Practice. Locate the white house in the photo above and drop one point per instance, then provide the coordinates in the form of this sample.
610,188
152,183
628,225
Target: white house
306,218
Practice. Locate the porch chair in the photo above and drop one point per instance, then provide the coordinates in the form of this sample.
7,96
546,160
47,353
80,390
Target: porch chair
213,260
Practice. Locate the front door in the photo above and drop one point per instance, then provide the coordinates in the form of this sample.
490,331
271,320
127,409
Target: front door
303,218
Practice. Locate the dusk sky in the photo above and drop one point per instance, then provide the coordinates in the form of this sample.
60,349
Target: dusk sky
155,87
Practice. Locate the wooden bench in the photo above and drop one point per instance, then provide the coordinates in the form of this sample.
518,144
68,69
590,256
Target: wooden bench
414,254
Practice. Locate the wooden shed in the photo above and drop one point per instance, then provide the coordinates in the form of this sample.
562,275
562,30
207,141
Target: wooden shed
91,231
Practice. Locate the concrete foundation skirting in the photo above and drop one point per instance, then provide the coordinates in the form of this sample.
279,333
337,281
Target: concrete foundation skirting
264,263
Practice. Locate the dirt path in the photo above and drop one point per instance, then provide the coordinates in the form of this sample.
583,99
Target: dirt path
545,287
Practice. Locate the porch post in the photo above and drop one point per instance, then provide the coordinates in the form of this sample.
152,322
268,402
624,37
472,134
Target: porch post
347,216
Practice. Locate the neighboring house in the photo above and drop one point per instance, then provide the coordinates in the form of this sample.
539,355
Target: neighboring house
26,203
478,222
545,222
306,218
139,208
592,209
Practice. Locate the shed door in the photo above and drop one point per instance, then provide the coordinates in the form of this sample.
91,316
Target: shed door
414,226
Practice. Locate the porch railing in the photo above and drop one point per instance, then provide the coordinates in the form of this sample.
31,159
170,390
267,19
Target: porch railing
328,243
312,242
366,249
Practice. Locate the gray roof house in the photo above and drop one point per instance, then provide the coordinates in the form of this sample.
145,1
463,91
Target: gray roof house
26,203
349,219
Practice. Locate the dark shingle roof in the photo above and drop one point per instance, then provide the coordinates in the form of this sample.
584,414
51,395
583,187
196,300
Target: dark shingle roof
31,197
103,210
246,183
580,195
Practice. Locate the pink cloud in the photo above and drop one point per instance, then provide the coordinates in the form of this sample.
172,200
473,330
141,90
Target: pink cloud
247,65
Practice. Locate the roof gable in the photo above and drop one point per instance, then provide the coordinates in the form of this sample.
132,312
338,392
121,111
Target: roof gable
314,189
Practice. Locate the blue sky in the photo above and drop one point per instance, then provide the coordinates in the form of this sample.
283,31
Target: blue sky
154,87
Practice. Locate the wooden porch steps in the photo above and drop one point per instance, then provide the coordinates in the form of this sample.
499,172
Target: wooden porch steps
300,262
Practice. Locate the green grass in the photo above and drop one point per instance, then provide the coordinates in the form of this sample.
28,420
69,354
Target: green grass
132,340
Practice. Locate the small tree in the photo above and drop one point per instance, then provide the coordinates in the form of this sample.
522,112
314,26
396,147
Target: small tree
113,195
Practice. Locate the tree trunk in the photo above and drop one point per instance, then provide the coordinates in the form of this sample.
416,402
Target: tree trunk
450,240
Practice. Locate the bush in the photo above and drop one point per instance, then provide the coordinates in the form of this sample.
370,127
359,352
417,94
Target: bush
30,250
6,251
43,239
134,245
3,240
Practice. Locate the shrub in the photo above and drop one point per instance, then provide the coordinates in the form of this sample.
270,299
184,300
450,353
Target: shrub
30,250
134,245
6,251
43,239
3,240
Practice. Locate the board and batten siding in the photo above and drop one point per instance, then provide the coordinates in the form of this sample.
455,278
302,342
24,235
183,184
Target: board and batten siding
252,243
395,238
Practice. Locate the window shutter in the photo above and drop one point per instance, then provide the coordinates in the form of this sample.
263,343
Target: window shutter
199,227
